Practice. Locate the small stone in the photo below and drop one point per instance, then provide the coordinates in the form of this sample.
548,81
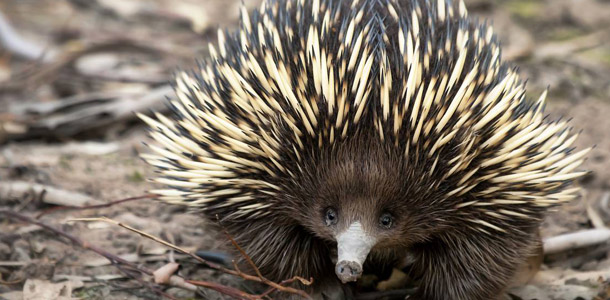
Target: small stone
5,251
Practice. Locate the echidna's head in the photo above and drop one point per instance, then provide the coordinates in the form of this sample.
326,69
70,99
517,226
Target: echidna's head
364,198
370,124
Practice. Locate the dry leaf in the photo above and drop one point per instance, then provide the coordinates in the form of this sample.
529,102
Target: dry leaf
35,289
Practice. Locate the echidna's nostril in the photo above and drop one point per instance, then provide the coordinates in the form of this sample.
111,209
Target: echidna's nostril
348,271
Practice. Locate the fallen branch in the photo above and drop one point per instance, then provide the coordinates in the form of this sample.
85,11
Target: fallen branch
575,240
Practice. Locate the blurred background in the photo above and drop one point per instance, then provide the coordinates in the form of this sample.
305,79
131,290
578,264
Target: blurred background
73,72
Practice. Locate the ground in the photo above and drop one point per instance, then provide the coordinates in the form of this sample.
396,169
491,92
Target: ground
60,127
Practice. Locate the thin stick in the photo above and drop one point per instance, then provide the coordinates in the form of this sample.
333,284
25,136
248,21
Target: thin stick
109,204
287,281
158,240
264,280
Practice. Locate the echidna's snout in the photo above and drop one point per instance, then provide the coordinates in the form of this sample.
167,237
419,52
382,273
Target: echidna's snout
348,270
353,245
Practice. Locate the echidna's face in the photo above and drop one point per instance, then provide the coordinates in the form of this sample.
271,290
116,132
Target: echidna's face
359,227
359,198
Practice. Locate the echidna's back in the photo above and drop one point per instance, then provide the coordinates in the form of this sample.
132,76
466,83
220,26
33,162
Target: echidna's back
300,77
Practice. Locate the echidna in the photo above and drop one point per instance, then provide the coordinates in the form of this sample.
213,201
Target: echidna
326,134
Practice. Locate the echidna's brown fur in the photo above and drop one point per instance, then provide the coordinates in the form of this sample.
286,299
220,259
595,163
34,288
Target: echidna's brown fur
368,106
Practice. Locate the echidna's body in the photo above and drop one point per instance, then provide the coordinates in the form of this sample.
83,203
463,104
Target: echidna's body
375,127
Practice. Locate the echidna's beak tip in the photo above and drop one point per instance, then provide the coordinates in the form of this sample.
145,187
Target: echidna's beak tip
348,271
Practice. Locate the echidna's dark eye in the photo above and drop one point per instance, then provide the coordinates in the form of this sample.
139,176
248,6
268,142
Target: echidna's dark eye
386,220
330,216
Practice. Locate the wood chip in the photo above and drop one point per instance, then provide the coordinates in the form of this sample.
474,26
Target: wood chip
163,274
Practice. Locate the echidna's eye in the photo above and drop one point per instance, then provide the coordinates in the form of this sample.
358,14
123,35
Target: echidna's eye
330,217
386,220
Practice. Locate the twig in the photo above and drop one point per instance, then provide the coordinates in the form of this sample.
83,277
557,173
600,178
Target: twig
576,240
285,282
156,239
109,204
245,256
264,280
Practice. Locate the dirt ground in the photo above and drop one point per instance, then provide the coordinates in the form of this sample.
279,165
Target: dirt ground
62,126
